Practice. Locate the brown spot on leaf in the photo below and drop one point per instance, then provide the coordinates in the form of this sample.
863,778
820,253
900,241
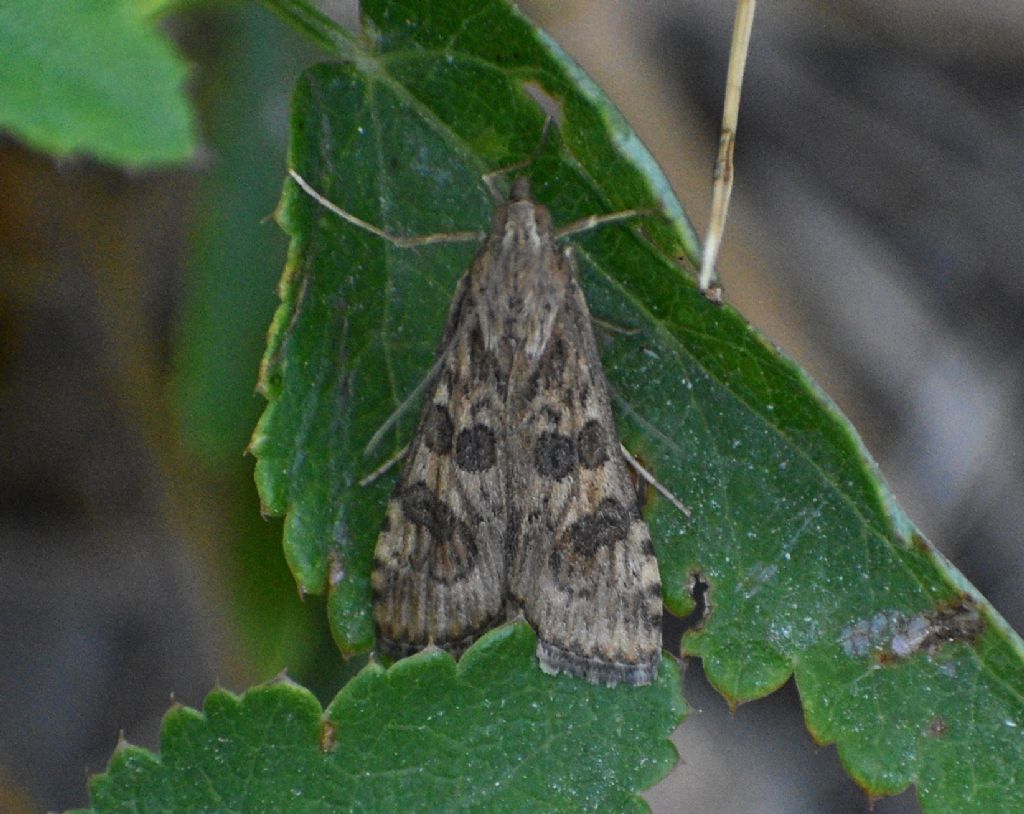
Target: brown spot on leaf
328,731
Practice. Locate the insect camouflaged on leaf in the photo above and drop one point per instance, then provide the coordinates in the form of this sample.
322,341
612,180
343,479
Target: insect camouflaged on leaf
514,494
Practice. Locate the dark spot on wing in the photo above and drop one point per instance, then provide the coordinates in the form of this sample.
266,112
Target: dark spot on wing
475,448
438,429
607,525
592,443
452,561
554,455
422,508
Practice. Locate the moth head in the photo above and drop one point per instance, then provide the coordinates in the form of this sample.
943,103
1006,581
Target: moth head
523,221
520,190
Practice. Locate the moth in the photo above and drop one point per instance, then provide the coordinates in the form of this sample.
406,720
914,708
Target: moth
514,496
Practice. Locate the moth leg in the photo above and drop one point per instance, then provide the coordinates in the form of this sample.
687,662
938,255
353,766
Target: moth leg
613,328
399,411
647,476
384,467
417,391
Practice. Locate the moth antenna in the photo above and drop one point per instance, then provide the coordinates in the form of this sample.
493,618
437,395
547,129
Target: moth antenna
593,221
401,241
489,177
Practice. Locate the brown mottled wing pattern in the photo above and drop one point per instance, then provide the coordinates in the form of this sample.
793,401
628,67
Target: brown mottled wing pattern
514,491
439,566
583,569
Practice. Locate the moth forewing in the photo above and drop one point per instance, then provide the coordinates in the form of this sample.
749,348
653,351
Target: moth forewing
439,565
584,569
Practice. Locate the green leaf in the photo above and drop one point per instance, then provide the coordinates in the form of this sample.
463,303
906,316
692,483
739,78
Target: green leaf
359,319
812,568
92,76
492,734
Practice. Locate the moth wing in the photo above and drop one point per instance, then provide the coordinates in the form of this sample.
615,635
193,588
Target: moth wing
439,565
583,568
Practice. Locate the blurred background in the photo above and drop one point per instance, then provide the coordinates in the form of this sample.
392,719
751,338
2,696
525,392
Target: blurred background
876,235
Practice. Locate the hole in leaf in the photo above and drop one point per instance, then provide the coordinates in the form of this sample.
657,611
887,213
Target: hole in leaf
551,106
